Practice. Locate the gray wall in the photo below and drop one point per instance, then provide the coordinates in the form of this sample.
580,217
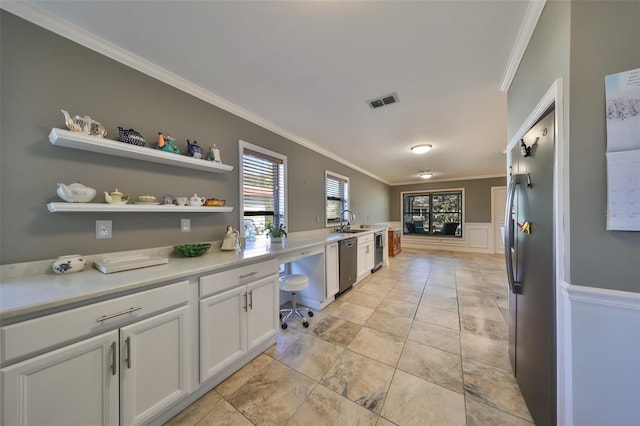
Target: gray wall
582,42
477,193
42,73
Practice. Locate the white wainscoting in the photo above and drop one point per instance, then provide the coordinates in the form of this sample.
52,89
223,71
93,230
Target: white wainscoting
477,238
600,370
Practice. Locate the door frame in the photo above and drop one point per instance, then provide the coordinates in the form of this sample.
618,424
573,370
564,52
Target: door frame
554,97
493,215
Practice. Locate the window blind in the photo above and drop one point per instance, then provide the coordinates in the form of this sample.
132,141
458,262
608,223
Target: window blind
337,192
262,186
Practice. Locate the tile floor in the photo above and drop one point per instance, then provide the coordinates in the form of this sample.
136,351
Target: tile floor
421,342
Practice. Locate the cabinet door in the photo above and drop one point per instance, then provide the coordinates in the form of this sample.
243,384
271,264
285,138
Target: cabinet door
223,325
362,261
155,365
332,272
74,385
262,312
370,256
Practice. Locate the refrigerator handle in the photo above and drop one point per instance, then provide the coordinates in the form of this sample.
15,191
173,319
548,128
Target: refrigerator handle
509,249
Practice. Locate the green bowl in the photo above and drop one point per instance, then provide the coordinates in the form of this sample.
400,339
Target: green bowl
192,250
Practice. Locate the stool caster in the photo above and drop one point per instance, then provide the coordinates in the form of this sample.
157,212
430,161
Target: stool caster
305,324
310,314
284,326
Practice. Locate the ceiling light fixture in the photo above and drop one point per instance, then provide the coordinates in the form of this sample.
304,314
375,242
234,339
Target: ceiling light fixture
421,149
426,175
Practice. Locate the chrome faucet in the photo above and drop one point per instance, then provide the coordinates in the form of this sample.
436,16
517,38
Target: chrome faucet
342,227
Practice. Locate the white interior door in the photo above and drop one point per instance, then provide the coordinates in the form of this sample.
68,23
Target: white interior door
498,201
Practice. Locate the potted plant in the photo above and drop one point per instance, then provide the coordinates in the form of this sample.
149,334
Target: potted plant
276,233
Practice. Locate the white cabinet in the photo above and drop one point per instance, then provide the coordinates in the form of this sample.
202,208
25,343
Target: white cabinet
75,385
235,321
154,365
332,272
366,256
126,375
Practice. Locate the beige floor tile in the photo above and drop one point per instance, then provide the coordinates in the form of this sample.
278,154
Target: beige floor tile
362,380
365,299
272,396
284,339
384,422
242,376
224,414
435,336
378,345
325,407
411,284
445,303
487,327
394,307
439,317
413,401
311,356
439,367
485,350
389,323
335,330
197,411
351,312
402,295
494,387
485,312
440,290
482,415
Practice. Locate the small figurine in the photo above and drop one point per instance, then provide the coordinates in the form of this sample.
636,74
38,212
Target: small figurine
85,125
214,154
194,150
168,144
130,136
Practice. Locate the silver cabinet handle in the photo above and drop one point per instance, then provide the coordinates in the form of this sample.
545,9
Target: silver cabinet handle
247,275
245,302
251,299
514,286
128,311
113,358
127,343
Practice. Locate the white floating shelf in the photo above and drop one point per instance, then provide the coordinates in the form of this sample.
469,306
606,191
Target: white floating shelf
104,207
68,139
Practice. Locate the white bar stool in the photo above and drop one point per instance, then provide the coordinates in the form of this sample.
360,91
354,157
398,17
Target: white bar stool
294,283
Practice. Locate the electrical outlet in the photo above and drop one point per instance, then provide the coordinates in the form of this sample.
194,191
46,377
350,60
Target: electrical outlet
185,225
103,229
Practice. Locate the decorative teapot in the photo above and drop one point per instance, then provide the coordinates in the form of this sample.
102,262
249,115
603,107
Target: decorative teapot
196,200
194,150
116,197
130,136
75,193
85,125
168,144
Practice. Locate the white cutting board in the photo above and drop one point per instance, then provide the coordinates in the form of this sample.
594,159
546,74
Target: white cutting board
126,263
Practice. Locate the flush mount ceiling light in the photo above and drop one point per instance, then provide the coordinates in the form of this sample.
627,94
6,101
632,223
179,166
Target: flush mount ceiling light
426,175
421,149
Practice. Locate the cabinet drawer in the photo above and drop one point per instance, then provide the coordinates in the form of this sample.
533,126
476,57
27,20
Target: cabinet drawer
220,281
365,239
54,330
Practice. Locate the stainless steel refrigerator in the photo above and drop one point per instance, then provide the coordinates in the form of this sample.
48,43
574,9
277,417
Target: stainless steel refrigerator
529,249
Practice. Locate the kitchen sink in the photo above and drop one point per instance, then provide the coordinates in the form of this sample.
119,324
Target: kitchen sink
354,231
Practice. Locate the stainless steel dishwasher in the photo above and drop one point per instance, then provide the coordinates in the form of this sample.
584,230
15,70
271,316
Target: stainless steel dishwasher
348,254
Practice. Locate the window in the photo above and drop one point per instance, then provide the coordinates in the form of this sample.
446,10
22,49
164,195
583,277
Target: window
263,185
433,213
337,196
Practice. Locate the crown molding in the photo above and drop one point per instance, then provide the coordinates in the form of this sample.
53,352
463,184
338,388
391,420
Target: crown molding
426,181
529,22
53,23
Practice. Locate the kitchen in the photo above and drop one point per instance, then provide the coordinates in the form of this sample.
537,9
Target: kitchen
31,99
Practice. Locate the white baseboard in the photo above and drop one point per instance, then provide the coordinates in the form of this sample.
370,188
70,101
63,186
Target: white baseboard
598,356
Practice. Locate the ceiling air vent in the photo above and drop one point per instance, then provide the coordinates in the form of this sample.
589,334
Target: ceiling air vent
385,100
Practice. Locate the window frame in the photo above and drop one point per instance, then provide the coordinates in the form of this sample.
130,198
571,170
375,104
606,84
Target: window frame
242,146
345,204
430,193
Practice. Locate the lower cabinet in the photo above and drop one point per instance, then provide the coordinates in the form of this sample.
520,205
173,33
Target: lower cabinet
235,321
125,376
366,256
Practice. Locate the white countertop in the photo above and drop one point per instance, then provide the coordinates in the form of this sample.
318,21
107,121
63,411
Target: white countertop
29,294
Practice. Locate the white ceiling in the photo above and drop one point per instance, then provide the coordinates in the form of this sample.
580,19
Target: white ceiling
306,69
